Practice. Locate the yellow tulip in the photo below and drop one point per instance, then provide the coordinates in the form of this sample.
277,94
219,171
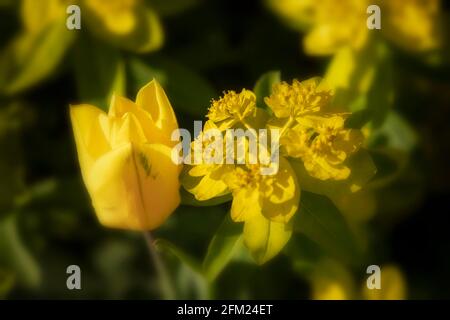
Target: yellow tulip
125,159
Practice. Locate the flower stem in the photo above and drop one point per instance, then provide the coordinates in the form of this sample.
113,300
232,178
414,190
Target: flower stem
165,284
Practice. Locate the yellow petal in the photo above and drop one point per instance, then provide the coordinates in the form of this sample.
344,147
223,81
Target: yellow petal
153,99
120,105
135,188
90,139
265,238
127,129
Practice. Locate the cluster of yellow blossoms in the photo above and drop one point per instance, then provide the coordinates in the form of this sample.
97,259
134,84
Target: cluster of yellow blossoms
310,132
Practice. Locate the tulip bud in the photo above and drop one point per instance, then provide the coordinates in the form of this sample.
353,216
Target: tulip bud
125,159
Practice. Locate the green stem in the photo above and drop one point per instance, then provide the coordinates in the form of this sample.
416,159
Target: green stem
165,284
286,126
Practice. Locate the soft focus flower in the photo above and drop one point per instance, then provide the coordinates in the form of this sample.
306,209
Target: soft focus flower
125,159
411,24
129,24
393,285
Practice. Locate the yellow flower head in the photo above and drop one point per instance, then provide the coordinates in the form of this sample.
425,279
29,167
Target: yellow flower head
299,99
125,159
323,143
232,108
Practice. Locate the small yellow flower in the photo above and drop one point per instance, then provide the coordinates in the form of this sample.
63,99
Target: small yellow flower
125,159
324,145
232,108
299,99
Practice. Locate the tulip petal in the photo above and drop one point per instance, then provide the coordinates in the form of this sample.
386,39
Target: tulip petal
135,187
89,137
153,99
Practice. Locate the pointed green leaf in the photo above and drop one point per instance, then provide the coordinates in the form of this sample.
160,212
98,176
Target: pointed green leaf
222,247
16,256
31,58
263,87
321,221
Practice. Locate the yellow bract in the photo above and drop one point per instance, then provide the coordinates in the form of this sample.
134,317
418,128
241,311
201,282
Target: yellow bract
125,159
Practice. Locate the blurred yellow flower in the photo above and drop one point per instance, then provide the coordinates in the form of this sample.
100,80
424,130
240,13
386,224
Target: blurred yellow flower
393,285
129,24
125,159
411,24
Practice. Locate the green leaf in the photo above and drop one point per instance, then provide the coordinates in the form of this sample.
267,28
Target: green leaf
263,87
6,282
99,72
319,220
16,256
363,81
188,92
30,58
222,248
358,119
390,164
395,133
190,271
166,246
